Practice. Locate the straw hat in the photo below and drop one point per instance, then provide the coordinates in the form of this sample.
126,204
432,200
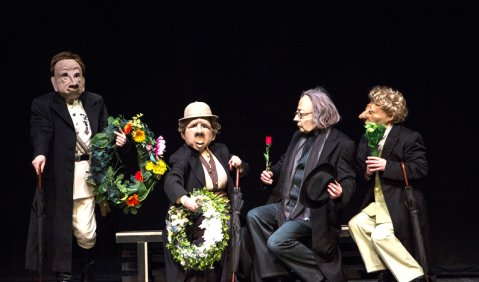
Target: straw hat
197,110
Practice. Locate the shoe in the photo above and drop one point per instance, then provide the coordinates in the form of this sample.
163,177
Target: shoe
64,277
422,278
278,279
386,276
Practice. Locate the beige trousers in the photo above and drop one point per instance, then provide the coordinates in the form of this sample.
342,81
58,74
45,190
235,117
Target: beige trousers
380,248
84,222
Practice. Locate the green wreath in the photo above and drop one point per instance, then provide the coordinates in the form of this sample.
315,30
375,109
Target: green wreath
110,187
214,209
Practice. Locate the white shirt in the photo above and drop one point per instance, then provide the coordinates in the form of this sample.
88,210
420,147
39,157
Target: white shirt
81,189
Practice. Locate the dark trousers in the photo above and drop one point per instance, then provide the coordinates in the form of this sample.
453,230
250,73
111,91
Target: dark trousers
279,248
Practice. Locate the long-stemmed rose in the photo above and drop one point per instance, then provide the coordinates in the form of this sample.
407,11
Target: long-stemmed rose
374,133
269,141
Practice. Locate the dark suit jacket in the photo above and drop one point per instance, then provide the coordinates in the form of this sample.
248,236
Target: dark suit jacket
53,135
402,144
339,151
186,174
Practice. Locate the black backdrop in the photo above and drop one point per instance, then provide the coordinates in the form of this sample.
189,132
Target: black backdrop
250,61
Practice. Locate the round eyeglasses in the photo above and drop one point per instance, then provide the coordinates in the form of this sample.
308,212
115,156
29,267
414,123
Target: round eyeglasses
301,115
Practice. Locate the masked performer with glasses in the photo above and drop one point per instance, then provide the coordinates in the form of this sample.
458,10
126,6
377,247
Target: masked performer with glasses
296,233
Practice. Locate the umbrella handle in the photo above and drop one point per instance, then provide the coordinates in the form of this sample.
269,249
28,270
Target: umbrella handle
237,176
40,188
403,167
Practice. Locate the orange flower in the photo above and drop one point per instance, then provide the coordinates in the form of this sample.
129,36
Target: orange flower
133,200
127,128
139,176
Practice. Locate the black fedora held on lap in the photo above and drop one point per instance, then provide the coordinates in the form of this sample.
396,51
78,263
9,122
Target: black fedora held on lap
314,189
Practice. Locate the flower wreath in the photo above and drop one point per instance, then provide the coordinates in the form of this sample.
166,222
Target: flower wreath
214,209
110,187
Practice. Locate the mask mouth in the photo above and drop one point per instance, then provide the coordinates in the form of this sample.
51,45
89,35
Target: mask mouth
71,95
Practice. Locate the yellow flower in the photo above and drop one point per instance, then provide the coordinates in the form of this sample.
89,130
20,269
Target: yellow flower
149,165
160,168
138,135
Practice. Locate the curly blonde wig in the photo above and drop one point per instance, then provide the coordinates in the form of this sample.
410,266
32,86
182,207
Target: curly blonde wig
391,101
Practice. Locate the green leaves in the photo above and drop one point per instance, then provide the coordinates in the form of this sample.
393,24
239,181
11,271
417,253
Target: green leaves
374,133
110,186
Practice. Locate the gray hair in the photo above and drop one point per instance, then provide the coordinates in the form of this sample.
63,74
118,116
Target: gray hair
325,113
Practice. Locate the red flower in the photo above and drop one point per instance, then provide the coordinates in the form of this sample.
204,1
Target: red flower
132,200
269,140
139,176
127,128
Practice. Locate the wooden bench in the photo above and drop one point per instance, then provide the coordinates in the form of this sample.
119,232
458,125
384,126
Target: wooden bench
141,239
344,231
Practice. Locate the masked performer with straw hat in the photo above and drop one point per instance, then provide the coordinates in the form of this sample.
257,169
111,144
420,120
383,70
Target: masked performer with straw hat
199,163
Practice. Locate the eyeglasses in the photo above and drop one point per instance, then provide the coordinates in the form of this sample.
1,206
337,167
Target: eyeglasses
301,115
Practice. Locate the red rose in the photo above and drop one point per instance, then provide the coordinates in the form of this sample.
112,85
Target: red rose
269,140
139,176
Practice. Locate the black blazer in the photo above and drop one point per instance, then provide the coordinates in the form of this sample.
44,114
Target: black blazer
53,135
339,151
186,174
402,144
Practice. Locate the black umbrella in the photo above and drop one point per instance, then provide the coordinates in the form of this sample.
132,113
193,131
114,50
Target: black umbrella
236,204
38,211
411,205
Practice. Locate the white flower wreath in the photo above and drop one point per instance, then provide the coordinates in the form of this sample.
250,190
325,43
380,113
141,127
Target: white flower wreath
214,209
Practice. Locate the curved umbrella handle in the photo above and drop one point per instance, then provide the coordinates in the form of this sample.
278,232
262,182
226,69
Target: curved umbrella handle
237,177
403,167
40,188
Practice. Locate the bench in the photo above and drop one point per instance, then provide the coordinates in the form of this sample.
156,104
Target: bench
141,239
344,231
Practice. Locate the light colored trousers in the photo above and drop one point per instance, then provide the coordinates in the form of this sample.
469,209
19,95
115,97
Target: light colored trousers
84,222
380,248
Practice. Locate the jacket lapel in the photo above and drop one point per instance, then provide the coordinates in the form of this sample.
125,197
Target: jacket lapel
197,168
60,108
92,110
328,147
391,141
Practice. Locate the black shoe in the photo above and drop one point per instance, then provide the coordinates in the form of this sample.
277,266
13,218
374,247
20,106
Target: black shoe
423,279
386,276
64,277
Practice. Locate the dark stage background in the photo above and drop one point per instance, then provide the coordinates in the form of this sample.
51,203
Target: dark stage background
250,61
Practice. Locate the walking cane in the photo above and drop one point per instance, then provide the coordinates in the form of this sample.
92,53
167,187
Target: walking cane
39,209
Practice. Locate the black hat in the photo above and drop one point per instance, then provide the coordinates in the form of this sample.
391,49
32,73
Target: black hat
314,190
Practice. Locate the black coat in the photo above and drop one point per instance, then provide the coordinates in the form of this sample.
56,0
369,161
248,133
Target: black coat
339,151
53,135
402,144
